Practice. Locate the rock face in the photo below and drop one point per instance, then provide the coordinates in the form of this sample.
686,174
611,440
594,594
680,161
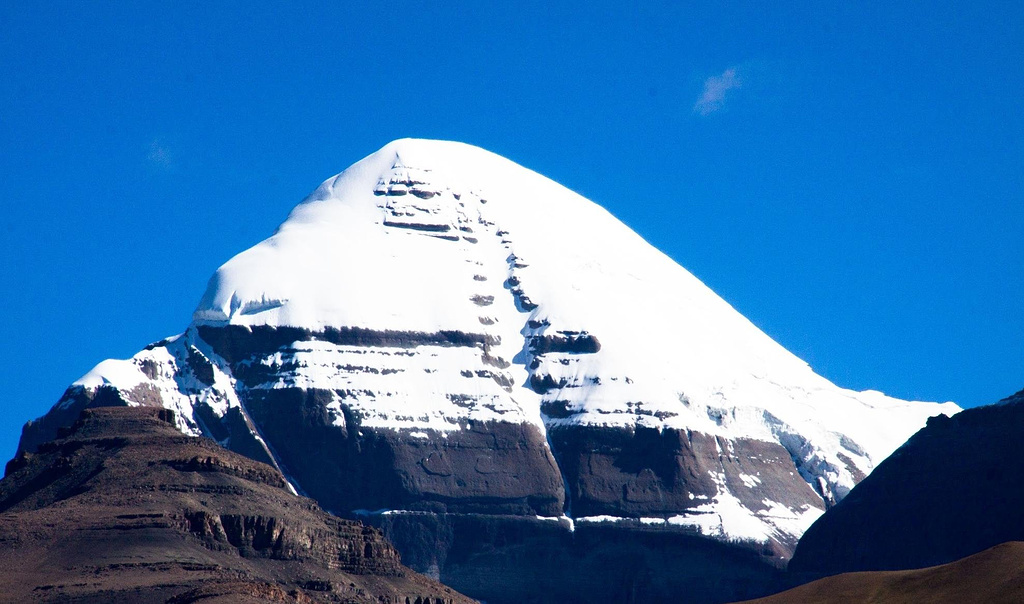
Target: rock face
440,331
954,489
125,508
540,560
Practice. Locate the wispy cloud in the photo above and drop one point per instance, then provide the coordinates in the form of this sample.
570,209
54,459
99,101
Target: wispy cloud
159,155
715,88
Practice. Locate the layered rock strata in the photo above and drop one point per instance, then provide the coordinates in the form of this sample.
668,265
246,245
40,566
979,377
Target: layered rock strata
124,508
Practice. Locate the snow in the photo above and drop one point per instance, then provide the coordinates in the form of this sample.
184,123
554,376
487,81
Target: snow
429,236
749,480
726,517
112,371
601,518
395,388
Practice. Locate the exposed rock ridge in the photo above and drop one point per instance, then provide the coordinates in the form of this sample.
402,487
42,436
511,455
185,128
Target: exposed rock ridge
123,495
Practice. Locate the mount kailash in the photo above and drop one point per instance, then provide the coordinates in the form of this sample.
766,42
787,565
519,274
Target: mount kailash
439,336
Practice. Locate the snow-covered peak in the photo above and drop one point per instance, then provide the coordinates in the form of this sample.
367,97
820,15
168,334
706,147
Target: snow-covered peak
359,228
385,243
428,236
434,286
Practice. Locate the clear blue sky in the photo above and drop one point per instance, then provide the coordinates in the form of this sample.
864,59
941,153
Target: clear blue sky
851,178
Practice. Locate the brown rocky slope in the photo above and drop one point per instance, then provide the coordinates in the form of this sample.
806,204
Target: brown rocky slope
124,508
994,576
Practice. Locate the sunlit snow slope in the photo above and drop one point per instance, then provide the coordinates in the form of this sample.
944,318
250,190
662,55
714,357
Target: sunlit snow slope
498,343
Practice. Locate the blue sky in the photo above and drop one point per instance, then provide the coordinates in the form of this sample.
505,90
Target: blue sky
851,178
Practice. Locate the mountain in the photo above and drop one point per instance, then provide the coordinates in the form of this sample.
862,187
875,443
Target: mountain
478,361
954,489
994,576
125,508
